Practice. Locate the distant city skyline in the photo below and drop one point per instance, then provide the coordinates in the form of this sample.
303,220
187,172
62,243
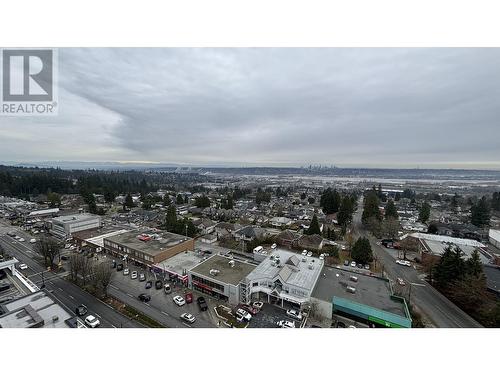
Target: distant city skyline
349,107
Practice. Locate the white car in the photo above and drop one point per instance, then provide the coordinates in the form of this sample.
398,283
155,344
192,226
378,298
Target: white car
353,264
304,252
21,239
273,246
243,315
258,305
188,318
179,301
294,314
286,324
126,271
133,275
401,281
92,321
403,262
309,254
32,240
23,266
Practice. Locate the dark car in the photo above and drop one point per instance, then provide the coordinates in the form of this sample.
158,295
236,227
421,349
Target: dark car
248,308
158,284
144,297
149,284
64,257
202,304
113,265
119,267
81,310
346,262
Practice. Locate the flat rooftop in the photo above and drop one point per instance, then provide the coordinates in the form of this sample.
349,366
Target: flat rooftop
182,262
371,291
159,242
32,310
227,274
74,218
294,270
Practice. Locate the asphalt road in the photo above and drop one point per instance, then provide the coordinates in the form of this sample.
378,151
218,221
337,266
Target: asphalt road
441,311
68,294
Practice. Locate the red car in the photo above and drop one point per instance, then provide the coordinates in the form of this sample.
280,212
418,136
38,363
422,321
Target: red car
188,297
248,308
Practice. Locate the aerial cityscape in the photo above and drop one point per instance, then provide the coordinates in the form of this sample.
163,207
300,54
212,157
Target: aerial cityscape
251,188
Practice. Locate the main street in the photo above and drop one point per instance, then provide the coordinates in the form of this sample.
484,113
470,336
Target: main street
440,310
66,293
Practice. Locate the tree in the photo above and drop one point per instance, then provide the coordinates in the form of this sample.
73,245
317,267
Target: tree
390,210
303,196
314,226
346,210
102,274
166,201
262,196
480,213
330,201
129,202
371,207
48,248
170,219
362,251
202,201
54,199
391,227
424,212
179,199
311,200
450,267
473,265
227,203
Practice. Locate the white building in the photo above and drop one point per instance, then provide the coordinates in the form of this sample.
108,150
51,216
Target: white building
64,226
494,237
284,276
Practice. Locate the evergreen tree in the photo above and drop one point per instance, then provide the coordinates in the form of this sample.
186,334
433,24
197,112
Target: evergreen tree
390,210
346,210
179,199
473,265
424,212
129,202
371,207
314,226
171,219
480,213
330,201
362,251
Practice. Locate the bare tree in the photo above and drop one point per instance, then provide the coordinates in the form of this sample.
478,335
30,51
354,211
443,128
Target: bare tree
391,227
48,248
102,276
74,266
409,244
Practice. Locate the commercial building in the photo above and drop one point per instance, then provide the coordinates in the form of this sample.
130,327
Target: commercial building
36,310
65,226
366,299
284,277
494,237
147,248
223,277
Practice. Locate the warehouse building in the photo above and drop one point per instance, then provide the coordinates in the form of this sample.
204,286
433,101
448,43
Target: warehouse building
66,226
147,248
223,277
355,296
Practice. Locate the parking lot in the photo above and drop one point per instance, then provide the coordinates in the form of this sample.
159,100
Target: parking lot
269,316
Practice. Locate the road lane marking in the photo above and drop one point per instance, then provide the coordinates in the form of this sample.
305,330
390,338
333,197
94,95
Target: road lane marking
60,289
130,295
70,296
114,287
187,325
164,313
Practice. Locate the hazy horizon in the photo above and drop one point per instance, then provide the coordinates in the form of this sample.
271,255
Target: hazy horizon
350,107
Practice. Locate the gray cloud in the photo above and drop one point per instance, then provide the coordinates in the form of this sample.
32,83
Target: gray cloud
372,107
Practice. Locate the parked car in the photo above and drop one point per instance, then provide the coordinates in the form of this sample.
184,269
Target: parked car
92,321
158,284
142,277
346,263
250,309
274,246
119,267
304,252
144,297
133,275
258,305
149,284
353,264
243,315
189,297
23,266
188,318
33,240
401,281
179,301
113,265
286,324
126,271
309,254
81,310
294,314
403,262
202,304
367,266
167,288
64,257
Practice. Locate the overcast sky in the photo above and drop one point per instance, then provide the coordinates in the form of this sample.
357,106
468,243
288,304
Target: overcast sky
347,107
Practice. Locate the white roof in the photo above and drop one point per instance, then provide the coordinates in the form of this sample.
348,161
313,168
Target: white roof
99,240
446,239
495,234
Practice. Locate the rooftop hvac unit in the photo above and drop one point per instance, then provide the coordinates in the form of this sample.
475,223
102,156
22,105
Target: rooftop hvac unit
214,272
304,259
353,278
311,266
351,289
55,318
